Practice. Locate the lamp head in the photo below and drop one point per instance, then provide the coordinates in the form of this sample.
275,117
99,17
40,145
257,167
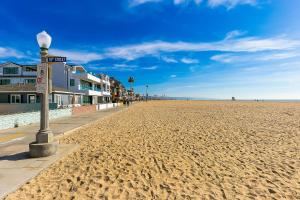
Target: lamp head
44,40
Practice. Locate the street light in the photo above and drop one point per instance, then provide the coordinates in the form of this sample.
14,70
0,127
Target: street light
44,144
147,92
44,40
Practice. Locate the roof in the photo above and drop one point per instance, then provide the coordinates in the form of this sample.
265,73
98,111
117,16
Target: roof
10,63
20,65
29,88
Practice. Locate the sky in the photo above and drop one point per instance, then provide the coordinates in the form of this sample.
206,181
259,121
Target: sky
249,49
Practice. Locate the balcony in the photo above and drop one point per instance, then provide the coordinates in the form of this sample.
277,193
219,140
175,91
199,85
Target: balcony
88,77
106,93
91,91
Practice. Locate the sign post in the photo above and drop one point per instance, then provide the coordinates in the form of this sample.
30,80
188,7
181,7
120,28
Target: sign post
42,78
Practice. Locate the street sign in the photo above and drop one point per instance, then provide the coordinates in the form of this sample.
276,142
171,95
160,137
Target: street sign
56,59
42,78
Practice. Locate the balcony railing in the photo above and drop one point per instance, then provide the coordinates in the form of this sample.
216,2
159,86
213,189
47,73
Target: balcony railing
84,87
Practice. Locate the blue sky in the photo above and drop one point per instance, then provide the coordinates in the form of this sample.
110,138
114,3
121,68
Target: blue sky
197,48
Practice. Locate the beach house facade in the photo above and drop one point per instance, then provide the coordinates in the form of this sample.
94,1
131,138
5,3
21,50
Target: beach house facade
13,73
75,84
96,89
17,86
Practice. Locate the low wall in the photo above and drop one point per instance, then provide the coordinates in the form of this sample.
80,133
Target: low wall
83,109
107,106
7,108
21,119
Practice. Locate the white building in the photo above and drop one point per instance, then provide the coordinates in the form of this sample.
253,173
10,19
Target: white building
17,85
75,78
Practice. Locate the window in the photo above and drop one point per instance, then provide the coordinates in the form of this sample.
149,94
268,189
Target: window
10,70
30,69
84,85
72,82
31,98
58,100
86,100
4,81
15,98
30,81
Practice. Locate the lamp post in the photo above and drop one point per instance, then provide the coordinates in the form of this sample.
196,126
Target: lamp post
44,144
147,92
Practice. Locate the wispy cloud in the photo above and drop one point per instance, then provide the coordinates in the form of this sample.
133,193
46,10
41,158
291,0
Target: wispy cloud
133,3
246,44
6,52
156,48
115,67
229,4
77,56
189,61
169,59
180,2
250,57
234,34
173,76
150,68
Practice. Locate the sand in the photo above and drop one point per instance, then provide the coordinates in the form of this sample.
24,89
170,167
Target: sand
180,150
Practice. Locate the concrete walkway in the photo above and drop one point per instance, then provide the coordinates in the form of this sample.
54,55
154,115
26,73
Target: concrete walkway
16,167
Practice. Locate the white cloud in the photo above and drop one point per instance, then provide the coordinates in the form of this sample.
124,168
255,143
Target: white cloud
133,3
279,56
230,3
179,2
247,44
173,76
115,67
234,34
250,57
6,52
77,56
189,61
150,68
169,59
211,3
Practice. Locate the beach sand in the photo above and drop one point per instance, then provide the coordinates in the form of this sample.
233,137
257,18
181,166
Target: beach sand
182,150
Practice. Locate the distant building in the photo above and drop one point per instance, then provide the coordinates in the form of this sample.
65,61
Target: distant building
118,90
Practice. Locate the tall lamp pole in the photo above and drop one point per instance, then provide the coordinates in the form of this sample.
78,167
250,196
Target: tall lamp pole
147,92
44,144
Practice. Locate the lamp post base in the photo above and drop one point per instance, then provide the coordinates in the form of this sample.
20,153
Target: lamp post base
44,136
37,150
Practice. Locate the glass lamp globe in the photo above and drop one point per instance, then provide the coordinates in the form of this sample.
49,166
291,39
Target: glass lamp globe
44,40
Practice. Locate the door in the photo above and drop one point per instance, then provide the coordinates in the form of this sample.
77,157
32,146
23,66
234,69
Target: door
31,98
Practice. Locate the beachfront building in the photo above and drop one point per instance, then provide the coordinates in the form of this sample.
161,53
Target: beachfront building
76,78
26,93
82,81
13,73
118,91
105,88
17,85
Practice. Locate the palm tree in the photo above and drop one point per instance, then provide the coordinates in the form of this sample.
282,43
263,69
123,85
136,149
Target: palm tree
131,81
